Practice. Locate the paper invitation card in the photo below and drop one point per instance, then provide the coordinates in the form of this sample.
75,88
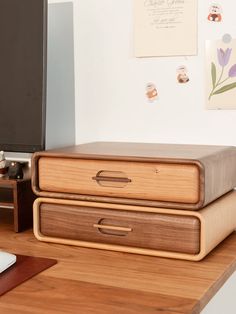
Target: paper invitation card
165,28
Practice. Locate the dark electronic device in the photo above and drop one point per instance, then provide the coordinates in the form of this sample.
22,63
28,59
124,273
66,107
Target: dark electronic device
23,34
15,170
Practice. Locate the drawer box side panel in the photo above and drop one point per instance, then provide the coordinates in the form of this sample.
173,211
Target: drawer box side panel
220,173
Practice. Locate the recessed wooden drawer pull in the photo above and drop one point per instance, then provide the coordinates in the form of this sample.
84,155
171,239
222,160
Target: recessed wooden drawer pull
112,228
111,179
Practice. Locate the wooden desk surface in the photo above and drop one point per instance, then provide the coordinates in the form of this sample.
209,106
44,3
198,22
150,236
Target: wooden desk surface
89,281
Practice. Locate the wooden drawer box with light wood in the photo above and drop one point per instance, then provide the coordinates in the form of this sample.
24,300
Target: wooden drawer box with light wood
159,175
136,229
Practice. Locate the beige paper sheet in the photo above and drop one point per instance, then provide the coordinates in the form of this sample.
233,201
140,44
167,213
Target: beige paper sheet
165,28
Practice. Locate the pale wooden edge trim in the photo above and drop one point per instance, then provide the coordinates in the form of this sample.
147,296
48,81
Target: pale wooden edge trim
108,227
205,217
219,220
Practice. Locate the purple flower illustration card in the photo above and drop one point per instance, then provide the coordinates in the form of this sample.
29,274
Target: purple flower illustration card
221,74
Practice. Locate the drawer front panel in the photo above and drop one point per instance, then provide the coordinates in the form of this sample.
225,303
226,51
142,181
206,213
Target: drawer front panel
137,180
137,229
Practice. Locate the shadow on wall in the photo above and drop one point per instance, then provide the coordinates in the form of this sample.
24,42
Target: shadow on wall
60,75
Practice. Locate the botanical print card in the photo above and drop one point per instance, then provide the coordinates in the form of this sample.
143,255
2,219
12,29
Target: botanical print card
221,74
165,28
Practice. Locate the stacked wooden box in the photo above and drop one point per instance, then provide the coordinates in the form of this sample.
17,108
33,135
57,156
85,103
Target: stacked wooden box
165,200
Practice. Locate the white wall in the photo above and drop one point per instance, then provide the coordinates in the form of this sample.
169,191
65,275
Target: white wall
110,82
224,301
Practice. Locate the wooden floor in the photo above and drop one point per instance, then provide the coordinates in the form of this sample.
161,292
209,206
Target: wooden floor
89,281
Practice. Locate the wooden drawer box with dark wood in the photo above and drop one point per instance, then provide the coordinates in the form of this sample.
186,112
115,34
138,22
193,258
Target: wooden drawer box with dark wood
159,175
136,229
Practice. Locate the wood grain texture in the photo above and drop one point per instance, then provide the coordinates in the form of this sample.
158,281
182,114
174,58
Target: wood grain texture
217,221
25,268
216,166
90,281
6,197
18,194
149,181
148,230
138,151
